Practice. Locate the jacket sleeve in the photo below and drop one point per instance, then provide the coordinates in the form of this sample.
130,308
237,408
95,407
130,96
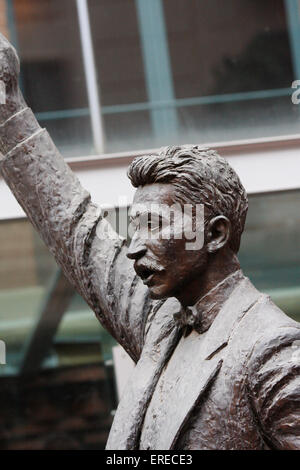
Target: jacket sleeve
90,253
274,388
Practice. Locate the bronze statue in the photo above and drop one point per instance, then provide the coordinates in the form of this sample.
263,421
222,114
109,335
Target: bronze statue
220,372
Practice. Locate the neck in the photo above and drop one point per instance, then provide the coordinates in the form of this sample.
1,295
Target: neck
220,266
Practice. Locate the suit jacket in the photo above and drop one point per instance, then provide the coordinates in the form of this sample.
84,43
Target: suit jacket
239,387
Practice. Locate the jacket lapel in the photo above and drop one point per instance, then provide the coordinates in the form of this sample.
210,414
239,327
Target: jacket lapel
188,386
192,368
243,297
162,339
184,380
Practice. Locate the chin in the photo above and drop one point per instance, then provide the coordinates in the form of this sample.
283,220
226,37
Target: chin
160,292
156,295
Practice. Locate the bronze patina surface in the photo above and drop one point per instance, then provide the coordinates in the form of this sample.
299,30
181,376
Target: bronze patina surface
215,359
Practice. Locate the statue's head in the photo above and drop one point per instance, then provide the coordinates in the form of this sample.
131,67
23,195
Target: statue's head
188,210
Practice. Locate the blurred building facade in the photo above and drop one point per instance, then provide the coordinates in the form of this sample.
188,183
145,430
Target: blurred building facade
110,79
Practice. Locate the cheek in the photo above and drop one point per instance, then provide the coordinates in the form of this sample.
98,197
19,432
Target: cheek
191,261
163,250
172,254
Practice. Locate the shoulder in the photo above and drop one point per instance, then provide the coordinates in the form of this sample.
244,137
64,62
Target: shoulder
274,345
264,319
265,331
272,325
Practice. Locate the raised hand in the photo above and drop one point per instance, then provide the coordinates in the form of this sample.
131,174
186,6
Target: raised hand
9,75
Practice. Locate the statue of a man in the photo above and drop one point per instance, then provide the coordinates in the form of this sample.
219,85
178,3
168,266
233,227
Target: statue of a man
218,373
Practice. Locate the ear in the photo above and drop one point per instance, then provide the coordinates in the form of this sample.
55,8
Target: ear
218,233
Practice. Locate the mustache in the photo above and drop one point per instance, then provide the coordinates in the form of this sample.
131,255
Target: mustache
147,267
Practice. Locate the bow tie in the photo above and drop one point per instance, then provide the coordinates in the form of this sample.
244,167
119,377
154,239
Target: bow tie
188,319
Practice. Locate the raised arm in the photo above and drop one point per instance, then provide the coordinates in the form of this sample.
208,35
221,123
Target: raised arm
91,254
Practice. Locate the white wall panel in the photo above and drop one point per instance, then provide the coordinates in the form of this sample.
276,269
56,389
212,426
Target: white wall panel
260,171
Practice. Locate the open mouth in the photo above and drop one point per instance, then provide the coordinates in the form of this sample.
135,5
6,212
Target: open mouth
145,273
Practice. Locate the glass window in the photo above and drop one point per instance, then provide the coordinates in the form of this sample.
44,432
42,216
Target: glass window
52,74
232,68
168,71
270,248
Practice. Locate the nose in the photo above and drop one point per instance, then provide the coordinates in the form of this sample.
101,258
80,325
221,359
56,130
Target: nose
137,248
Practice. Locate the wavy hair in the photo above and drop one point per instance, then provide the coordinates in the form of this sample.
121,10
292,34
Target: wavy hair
200,176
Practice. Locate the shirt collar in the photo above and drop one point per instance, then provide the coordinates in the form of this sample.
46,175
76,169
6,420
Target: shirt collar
201,315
